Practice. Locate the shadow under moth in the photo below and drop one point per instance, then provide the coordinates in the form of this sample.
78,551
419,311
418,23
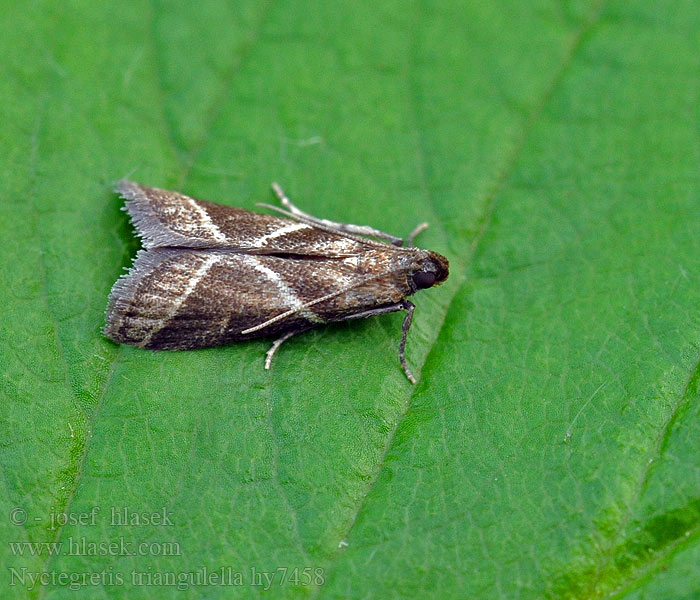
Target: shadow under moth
211,274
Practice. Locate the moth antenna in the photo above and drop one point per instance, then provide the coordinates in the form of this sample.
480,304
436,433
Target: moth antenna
305,305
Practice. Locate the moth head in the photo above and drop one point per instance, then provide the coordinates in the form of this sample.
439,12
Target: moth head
430,269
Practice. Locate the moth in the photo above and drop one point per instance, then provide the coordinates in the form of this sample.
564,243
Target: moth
210,274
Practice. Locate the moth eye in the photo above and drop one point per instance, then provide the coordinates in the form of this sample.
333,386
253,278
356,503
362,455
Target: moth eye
423,279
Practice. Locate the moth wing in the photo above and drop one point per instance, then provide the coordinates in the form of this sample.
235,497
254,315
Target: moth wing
164,218
177,299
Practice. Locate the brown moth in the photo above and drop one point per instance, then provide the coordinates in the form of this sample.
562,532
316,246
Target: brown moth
212,274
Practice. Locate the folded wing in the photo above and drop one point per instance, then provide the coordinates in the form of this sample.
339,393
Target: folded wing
176,299
166,219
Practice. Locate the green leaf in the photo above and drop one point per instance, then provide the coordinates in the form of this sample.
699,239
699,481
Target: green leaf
552,445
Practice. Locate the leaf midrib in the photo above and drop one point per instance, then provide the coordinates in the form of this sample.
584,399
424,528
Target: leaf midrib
486,219
490,202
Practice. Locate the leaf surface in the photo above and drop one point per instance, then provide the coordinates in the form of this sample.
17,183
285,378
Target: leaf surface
551,447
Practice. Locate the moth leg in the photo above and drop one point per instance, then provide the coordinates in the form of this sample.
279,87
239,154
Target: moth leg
373,312
409,307
411,236
276,344
345,227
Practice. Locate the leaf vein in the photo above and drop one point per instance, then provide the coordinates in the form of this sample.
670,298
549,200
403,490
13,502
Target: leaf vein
499,182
